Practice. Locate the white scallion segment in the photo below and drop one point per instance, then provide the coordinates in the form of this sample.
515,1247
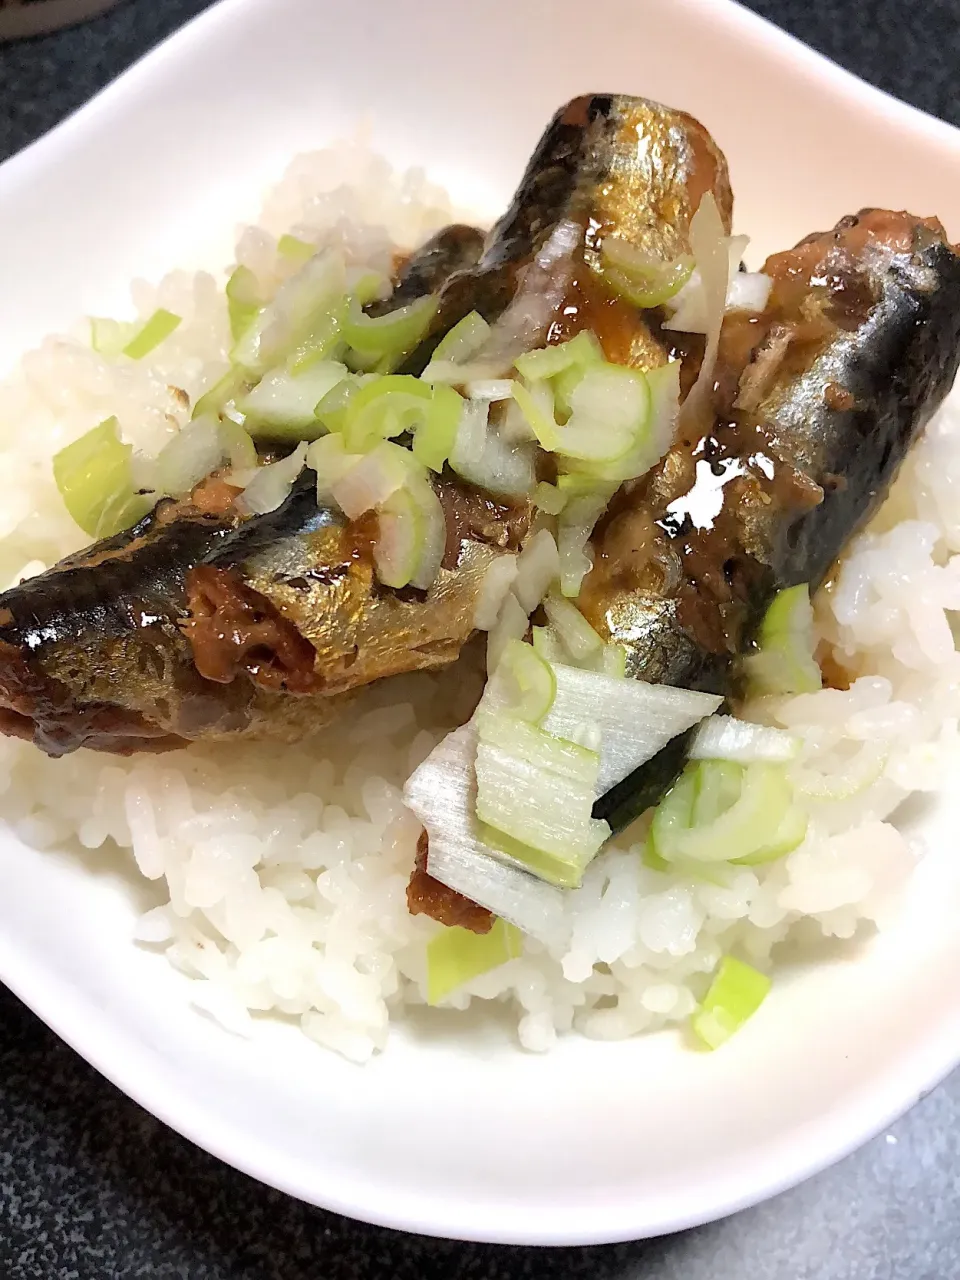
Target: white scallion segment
748,291
186,459
537,567
572,627
511,625
636,719
784,661
442,794
492,389
271,485
283,405
301,304
483,458
538,791
711,252
497,582
463,341
412,535
583,508
726,738
688,310
331,460
526,684
374,478
610,409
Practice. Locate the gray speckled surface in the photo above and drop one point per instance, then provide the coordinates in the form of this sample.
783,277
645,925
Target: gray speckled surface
92,1188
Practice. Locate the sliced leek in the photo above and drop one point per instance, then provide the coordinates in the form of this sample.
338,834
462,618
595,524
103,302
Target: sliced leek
156,330
734,996
456,956
94,478
784,661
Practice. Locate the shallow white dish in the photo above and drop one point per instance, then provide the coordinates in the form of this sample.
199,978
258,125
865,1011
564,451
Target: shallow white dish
455,1131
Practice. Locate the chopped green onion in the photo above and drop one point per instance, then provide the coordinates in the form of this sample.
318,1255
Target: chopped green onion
784,661
532,678
456,956
576,633
388,338
244,301
294,250
307,303
485,458
388,406
188,457
109,337
323,342
368,484
642,280
333,408
436,433
538,790
582,351
384,408
719,811
238,445
463,341
93,476
216,398
412,535
283,406
549,498
157,329
328,457
736,993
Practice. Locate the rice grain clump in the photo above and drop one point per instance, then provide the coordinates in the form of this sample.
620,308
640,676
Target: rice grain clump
286,868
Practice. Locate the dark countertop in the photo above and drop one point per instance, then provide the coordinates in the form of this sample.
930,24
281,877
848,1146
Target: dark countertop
92,1188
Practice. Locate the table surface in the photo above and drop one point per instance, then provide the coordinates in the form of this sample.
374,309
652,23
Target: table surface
91,1187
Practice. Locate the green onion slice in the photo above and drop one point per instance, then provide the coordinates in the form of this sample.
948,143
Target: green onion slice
641,279
157,329
456,956
784,661
736,993
93,476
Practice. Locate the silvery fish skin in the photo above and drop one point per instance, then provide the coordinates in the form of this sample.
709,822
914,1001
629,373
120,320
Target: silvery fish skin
200,624
608,165
204,625
817,402
452,248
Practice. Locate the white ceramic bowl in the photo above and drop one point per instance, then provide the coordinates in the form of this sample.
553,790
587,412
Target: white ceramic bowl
454,1131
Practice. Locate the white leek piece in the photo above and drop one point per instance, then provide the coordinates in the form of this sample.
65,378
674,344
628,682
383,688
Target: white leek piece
442,794
726,738
271,485
636,720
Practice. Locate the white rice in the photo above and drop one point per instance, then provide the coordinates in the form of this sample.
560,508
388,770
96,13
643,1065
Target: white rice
286,868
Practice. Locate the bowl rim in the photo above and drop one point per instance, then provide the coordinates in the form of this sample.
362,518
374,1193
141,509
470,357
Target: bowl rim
90,1033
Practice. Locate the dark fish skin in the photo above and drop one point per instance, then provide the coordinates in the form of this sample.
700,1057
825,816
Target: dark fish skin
817,403
453,248
607,165
105,649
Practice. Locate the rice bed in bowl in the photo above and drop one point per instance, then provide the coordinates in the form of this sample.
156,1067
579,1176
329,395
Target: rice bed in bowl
285,868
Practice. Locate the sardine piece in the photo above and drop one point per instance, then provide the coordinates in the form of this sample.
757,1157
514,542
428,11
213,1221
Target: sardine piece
196,625
453,248
817,402
607,165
